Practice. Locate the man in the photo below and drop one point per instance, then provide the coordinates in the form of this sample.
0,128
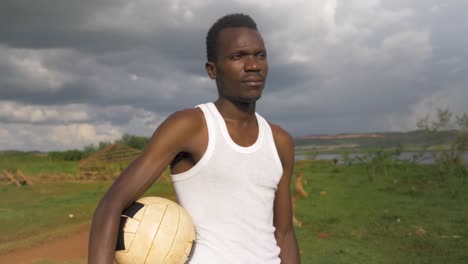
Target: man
231,169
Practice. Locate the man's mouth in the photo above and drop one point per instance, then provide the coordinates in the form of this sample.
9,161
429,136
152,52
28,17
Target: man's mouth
253,81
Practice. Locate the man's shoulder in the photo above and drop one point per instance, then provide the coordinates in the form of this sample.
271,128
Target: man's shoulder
188,113
188,120
284,143
280,135
187,116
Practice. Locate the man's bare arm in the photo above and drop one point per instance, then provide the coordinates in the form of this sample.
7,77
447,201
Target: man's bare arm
284,232
173,136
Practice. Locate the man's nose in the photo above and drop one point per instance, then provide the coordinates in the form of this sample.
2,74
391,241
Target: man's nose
251,64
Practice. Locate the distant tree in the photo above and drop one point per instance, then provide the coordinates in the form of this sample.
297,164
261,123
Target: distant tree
450,163
89,149
378,161
104,144
68,155
133,141
444,121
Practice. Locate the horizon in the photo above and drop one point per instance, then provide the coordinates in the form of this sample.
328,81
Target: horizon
303,137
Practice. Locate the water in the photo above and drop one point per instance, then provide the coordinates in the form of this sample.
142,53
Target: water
423,158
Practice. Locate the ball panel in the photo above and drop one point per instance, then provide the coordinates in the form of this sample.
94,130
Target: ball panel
185,221
120,236
189,232
128,238
188,252
134,209
183,259
149,226
152,200
131,226
165,237
183,241
139,214
122,257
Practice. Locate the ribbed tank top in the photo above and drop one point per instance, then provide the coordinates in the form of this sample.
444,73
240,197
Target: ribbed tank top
229,193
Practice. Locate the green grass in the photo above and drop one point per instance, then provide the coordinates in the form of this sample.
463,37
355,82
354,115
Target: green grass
33,164
402,218
410,215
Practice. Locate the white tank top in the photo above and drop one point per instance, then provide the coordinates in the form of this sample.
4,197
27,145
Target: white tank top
229,193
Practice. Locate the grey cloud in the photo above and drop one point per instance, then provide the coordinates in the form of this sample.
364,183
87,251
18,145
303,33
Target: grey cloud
335,66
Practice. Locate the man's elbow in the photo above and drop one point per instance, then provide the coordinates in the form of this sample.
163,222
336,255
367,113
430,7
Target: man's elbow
106,209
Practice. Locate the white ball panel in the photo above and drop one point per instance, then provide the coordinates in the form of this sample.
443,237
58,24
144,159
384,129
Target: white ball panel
128,240
122,257
131,225
183,240
148,228
152,200
166,235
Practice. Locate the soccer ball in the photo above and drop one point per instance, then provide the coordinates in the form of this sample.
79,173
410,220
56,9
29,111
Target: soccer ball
154,230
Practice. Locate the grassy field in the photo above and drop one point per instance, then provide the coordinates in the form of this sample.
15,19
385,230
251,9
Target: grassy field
36,164
407,215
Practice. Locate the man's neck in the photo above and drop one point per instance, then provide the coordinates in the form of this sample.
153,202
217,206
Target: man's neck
236,112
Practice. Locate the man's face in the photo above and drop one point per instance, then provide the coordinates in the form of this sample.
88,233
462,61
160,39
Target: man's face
241,67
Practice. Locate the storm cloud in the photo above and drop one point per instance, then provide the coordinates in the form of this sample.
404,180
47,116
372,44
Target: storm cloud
73,73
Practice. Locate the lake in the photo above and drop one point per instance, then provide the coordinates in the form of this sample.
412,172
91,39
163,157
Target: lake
424,158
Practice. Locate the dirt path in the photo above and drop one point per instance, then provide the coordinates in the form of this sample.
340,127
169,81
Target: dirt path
73,247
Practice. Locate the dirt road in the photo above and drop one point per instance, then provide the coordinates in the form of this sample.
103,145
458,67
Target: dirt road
71,248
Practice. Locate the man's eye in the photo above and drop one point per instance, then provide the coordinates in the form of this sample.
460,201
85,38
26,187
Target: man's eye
236,56
261,55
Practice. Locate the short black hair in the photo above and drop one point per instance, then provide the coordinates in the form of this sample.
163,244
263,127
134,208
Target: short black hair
227,21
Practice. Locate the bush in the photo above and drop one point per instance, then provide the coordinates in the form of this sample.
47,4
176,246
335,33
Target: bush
137,142
69,155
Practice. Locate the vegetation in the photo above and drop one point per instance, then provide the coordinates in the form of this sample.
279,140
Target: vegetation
450,161
406,216
368,208
69,155
35,164
137,142
32,214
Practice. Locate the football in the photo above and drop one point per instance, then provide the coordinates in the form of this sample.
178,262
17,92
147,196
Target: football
154,230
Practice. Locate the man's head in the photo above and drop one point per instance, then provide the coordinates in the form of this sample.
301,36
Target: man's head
237,58
227,21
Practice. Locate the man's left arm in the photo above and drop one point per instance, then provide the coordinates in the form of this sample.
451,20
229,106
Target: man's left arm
282,220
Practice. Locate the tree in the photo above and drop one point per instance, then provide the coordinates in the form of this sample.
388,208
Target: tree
450,163
444,121
137,142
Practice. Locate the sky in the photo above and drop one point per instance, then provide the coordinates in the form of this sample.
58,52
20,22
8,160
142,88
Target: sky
74,73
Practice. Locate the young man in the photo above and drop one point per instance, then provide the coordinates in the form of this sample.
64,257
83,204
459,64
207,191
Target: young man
231,169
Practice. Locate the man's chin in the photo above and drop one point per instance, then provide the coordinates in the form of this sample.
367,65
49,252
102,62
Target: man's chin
250,99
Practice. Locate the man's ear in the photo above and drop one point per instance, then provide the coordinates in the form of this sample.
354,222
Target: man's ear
211,69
